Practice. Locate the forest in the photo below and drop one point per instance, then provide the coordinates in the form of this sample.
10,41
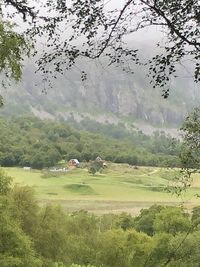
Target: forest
38,143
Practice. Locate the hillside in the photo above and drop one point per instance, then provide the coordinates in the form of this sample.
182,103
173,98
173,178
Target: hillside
108,96
36,143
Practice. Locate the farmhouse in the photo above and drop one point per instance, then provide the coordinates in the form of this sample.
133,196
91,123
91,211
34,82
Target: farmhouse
99,159
74,163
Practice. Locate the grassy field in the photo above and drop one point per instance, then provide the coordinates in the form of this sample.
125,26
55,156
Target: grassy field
118,188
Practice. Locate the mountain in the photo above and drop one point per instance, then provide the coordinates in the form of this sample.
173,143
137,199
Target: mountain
108,96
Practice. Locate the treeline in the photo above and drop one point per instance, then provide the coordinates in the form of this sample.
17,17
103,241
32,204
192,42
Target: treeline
33,236
38,143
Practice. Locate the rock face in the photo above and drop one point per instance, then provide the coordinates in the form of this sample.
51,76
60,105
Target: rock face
108,96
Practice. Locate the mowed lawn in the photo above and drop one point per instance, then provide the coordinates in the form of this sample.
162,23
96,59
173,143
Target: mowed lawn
117,188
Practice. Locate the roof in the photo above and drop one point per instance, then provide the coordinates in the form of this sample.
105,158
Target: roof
99,158
75,160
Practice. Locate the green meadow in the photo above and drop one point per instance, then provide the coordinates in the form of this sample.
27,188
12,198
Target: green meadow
118,188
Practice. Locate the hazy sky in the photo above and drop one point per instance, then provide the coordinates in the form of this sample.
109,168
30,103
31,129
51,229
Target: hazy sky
150,35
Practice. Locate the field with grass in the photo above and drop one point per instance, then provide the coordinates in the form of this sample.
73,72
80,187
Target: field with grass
118,188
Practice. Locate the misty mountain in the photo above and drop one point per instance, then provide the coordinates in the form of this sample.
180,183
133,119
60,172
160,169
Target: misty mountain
108,96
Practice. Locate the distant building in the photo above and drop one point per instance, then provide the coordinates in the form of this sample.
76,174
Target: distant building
74,163
99,159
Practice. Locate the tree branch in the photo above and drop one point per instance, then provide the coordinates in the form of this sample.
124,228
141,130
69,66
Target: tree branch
171,25
113,29
22,9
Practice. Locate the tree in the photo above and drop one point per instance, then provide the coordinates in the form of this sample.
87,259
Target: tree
190,151
119,248
185,253
25,208
196,215
77,265
5,183
15,246
125,221
102,32
95,166
82,248
179,250
112,251
12,51
145,221
190,156
50,238
171,220
14,46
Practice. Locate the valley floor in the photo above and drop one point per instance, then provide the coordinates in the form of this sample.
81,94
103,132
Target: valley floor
118,188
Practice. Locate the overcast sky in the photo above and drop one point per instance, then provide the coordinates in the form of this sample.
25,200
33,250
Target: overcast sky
152,34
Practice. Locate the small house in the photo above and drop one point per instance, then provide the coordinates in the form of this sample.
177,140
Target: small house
99,159
74,163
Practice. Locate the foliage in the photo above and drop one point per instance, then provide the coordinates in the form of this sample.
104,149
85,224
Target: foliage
25,208
14,47
95,166
59,264
190,151
80,239
5,182
16,248
119,248
51,230
36,143
145,221
102,31
125,221
190,156
172,221
77,265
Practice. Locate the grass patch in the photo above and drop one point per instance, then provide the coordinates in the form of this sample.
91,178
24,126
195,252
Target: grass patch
157,189
118,183
48,174
134,181
169,175
81,189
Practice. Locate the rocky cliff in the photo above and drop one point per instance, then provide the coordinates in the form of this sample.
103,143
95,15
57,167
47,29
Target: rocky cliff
107,96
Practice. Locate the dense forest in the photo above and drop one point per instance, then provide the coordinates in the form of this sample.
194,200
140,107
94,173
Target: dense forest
33,236
38,143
